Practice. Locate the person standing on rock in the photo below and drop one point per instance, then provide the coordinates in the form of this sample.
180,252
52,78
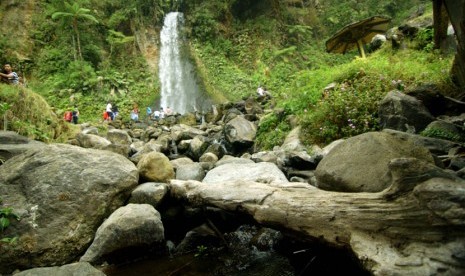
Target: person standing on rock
109,111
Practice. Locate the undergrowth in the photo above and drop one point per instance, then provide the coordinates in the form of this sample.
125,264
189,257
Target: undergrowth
30,115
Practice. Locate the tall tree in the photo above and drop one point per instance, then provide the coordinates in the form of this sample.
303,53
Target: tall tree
76,13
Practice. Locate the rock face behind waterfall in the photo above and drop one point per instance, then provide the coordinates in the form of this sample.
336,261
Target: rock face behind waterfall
62,194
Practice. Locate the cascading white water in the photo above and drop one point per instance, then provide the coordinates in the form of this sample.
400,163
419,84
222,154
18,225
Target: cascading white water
179,89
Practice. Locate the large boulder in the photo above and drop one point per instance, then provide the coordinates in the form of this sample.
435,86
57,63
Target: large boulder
359,164
119,137
92,141
149,193
62,194
132,226
12,144
403,112
155,167
260,172
192,171
80,268
240,133
184,132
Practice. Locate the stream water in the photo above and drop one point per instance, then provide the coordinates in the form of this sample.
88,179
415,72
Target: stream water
179,84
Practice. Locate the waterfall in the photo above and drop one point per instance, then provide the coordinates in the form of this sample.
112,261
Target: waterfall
179,89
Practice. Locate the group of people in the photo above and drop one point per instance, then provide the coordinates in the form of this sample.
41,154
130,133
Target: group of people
111,112
158,113
7,75
72,116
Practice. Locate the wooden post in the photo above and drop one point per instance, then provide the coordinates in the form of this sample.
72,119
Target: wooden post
361,50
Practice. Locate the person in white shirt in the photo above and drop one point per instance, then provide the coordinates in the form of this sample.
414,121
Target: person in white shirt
156,115
109,111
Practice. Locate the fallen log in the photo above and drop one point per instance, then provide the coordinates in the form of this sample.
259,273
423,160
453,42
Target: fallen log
414,227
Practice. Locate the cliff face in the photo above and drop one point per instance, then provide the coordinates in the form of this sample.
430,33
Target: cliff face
16,20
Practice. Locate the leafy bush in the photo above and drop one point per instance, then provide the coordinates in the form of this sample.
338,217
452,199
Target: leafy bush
272,131
442,134
6,214
424,39
31,116
352,107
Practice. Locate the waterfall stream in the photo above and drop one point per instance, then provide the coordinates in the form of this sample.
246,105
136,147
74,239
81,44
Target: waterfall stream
179,88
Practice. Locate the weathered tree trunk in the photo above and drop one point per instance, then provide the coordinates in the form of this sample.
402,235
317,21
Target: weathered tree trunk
415,227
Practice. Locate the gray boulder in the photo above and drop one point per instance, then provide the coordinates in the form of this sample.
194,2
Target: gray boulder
74,269
92,141
131,226
62,194
263,172
192,171
119,137
149,193
403,112
360,163
12,144
227,159
240,133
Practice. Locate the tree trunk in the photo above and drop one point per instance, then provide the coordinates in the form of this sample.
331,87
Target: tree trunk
74,48
441,22
400,231
76,31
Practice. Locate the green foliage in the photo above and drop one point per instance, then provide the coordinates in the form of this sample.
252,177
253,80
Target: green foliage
351,108
6,215
272,131
76,14
4,107
204,26
236,46
424,39
442,134
30,115
202,251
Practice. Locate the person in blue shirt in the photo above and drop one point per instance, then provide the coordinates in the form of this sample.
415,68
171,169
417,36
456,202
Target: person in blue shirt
8,75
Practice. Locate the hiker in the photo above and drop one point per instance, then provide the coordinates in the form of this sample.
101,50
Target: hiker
75,114
266,93
135,113
260,91
109,112
148,112
168,111
8,76
156,115
115,111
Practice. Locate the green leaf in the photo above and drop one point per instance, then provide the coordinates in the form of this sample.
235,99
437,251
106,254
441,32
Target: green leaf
4,223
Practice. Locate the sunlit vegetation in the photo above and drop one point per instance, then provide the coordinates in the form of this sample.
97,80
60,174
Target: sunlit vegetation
235,46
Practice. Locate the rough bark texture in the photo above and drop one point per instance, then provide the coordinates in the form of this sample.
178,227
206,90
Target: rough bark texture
456,11
415,227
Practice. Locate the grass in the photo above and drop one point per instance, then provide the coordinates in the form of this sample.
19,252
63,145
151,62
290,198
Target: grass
30,115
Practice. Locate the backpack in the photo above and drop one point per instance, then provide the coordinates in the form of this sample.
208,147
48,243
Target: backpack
68,116
149,110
